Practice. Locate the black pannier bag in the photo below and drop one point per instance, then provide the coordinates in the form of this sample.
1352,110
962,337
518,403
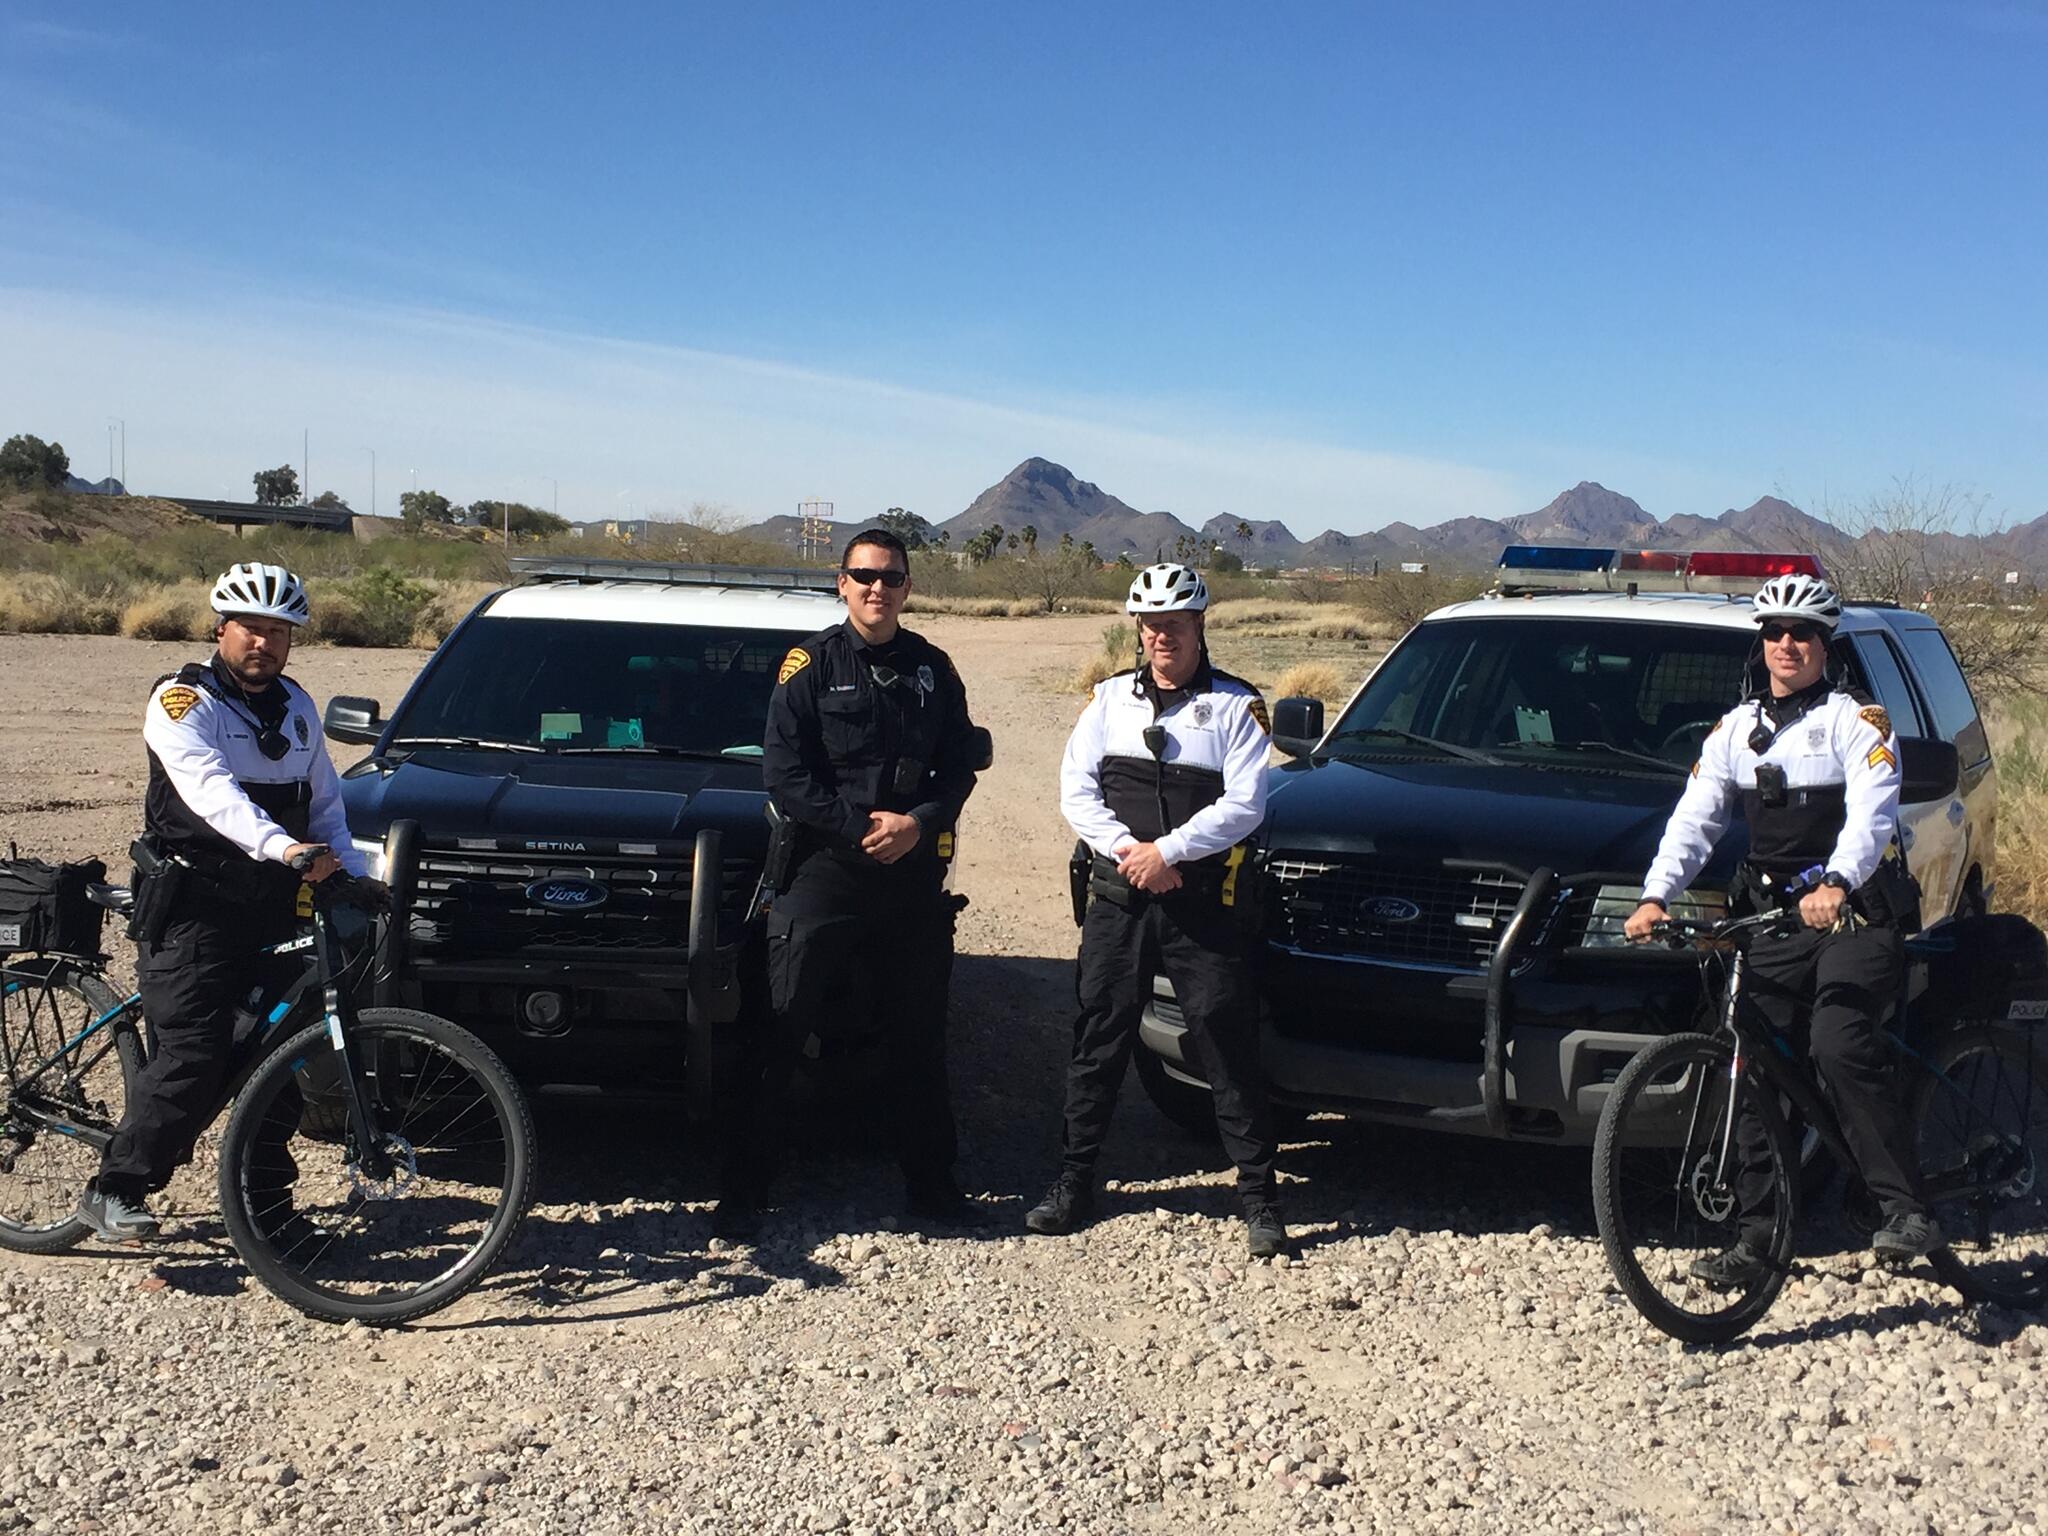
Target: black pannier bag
44,907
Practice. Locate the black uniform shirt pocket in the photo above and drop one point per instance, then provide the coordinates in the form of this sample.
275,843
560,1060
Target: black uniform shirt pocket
846,721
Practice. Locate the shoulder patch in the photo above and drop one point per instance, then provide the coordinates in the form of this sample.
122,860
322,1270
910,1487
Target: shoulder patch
1874,713
797,659
1717,725
178,701
1258,709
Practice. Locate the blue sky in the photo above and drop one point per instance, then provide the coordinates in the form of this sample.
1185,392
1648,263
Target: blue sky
1336,265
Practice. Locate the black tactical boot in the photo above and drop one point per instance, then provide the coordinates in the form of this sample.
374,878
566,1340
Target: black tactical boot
1068,1206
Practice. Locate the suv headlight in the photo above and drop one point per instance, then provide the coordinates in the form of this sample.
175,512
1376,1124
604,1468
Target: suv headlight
1612,905
373,855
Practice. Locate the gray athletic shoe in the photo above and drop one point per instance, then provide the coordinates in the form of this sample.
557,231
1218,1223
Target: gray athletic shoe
1904,1237
114,1217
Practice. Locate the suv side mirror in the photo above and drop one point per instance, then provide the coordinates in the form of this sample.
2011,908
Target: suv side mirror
1927,769
981,748
358,721
1297,726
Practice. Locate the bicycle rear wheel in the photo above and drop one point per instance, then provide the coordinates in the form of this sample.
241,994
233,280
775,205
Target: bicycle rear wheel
56,1070
1980,1127
341,1239
1664,1187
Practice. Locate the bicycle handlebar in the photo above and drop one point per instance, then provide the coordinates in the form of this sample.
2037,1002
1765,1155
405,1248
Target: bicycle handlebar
341,886
1737,932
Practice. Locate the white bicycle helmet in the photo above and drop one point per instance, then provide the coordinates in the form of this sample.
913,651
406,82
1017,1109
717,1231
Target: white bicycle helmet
1167,589
1801,599
261,592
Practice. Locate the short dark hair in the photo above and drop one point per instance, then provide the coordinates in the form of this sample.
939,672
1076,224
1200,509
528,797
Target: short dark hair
881,538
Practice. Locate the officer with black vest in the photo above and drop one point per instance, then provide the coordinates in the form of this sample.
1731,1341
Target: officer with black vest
239,783
1163,780
1814,768
870,753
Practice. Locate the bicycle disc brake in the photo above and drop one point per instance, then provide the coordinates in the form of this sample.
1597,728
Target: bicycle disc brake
1713,1199
404,1162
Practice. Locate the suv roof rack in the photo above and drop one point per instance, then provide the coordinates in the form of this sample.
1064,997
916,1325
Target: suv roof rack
558,568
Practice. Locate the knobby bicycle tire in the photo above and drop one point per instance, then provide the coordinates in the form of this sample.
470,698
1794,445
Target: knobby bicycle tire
46,1000
1979,1121
340,1244
1656,1199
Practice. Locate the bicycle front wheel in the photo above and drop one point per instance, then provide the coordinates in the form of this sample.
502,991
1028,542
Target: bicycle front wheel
1980,1128
67,1084
386,1234
1666,1160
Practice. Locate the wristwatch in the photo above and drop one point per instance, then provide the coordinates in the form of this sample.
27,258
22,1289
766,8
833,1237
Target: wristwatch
1839,882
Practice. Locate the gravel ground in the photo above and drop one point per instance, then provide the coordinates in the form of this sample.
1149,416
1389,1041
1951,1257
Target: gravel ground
1446,1355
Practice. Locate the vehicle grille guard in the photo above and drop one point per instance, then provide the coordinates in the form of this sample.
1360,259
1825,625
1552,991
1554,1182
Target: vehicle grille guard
1544,887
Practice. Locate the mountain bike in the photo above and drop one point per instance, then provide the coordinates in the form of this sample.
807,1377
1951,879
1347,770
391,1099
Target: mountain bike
1666,1155
376,1163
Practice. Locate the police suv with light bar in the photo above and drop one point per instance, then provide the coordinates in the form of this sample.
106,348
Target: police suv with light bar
569,808
1447,866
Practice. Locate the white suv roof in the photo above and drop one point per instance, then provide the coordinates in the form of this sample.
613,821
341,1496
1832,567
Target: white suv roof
650,602
1643,608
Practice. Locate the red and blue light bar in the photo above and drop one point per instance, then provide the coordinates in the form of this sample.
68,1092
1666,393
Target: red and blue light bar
1704,570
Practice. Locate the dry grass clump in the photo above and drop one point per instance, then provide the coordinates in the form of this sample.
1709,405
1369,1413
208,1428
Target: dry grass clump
169,613
1258,613
1313,680
36,603
2019,744
1119,647
1271,618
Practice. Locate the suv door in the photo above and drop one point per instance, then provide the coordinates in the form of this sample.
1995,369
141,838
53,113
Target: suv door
1969,818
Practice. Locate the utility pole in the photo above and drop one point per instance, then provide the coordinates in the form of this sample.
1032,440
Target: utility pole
505,510
373,481
115,421
305,465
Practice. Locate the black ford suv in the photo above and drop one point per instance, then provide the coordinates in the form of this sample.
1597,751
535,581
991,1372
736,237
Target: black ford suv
1448,866
568,804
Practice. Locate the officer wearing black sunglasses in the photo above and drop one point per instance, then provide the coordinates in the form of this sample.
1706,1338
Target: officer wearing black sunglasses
871,753
239,782
1814,770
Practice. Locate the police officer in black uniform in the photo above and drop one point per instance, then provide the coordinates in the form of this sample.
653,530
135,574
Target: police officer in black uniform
1163,780
239,783
1815,770
871,754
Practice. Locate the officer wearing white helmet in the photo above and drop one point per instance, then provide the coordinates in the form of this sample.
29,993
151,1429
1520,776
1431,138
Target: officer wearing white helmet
1163,781
1814,768
239,783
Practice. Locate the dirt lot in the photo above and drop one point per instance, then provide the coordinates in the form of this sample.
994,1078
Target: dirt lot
1446,1355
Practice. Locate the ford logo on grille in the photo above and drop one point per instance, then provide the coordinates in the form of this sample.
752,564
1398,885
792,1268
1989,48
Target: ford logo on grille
567,894
1391,909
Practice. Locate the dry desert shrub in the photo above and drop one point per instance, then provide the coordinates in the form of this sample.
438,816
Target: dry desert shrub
1258,613
1119,649
35,603
2019,741
169,613
1313,680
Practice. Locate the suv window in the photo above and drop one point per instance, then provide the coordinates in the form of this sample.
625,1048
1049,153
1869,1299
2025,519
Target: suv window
545,684
1525,686
1888,683
1948,695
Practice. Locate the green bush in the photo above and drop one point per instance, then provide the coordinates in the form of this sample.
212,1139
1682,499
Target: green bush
378,608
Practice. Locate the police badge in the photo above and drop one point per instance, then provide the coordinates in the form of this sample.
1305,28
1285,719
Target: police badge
1202,711
925,681
299,728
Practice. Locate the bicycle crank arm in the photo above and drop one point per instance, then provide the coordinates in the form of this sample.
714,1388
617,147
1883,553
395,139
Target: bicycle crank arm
49,1118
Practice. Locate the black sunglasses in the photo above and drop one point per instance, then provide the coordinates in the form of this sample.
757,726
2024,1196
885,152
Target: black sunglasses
867,576
1799,632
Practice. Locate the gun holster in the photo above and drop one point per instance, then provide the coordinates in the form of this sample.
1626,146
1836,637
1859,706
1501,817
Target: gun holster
159,876
782,835
1077,881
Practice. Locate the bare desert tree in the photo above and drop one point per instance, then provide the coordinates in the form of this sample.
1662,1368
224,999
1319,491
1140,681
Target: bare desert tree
1919,545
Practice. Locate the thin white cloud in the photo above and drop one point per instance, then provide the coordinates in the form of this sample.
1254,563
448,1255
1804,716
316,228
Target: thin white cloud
213,391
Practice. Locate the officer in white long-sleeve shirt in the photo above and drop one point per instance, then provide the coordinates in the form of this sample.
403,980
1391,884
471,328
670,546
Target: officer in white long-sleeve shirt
1814,769
1164,780
239,784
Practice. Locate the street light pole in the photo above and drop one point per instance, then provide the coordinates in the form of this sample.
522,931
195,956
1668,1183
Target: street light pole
373,480
117,421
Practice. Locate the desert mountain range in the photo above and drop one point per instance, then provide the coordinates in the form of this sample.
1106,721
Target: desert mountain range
1055,501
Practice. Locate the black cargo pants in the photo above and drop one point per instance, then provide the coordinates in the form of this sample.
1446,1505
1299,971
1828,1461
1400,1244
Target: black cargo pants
853,947
191,981
1199,946
1829,996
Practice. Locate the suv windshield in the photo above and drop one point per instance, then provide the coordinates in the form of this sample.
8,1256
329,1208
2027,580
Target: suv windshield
1636,697
540,684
